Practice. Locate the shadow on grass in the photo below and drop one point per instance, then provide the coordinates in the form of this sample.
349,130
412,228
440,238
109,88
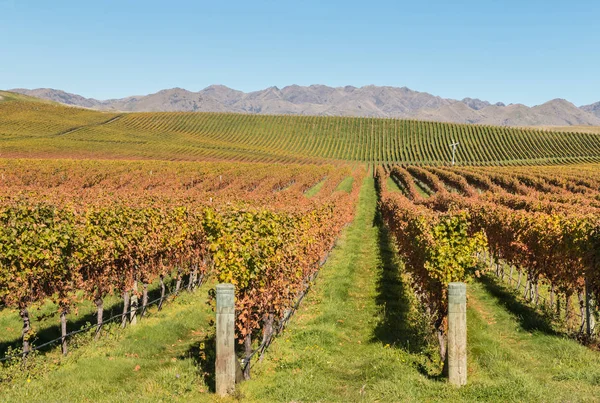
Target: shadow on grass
529,319
52,331
404,325
204,354
401,326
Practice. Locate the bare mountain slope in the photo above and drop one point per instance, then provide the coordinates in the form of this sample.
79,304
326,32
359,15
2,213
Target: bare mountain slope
370,100
594,109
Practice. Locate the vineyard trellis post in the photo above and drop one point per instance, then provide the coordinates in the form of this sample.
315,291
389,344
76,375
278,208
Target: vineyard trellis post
63,330
225,365
457,334
588,309
134,303
454,145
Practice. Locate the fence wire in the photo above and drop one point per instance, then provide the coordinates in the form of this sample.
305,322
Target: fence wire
245,361
99,326
521,285
262,348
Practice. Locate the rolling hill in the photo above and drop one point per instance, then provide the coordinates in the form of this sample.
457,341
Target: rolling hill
31,128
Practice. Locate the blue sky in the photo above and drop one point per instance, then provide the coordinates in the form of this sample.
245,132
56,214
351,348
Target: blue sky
527,51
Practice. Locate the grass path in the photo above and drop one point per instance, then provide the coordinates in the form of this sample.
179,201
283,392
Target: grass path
357,337
157,360
340,345
512,348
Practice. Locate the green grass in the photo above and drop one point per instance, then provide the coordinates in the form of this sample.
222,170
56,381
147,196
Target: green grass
345,185
423,190
45,318
507,287
45,321
392,185
359,337
45,129
313,191
517,351
168,347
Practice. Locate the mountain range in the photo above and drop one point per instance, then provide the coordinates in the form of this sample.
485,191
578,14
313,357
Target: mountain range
373,101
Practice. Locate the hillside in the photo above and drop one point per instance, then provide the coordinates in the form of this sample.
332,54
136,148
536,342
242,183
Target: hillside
368,101
45,129
579,129
593,108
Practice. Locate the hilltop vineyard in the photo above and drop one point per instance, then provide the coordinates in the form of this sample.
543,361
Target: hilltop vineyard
37,129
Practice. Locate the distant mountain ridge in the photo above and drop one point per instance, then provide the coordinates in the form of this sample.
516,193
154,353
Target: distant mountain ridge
593,108
372,101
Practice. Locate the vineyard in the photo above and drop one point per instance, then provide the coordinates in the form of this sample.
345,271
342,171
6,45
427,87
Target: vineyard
341,236
93,229
541,225
36,129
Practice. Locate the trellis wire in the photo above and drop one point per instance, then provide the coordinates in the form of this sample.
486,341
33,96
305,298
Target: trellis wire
519,286
86,328
245,361
287,316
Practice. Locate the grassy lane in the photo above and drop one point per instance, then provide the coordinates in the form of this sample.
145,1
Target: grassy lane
348,342
46,323
159,359
345,185
357,337
315,189
516,353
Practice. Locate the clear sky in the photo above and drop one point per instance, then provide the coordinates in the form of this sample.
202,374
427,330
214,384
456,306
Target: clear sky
527,51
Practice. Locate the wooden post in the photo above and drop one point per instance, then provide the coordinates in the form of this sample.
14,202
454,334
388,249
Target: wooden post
26,329
99,315
134,304
125,309
457,334
162,291
144,299
588,313
225,366
63,331
178,283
